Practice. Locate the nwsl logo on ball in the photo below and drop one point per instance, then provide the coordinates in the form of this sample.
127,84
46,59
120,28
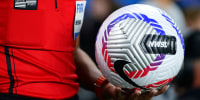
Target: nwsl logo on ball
159,44
164,47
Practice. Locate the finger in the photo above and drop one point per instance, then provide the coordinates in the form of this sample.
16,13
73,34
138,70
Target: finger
151,93
162,90
135,94
118,93
148,95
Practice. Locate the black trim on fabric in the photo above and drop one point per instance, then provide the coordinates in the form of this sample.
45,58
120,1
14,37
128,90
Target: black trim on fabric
4,96
14,71
8,61
56,4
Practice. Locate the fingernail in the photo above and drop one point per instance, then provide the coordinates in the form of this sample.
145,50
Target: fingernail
167,87
118,88
155,92
139,92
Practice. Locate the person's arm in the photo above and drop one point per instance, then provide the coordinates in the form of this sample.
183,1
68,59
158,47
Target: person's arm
89,73
86,69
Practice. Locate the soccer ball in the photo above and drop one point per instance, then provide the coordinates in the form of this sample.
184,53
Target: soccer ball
139,46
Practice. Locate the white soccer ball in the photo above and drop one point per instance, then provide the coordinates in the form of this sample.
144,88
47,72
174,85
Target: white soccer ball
139,46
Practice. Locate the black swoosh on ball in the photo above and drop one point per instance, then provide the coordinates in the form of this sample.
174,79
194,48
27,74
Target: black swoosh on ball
118,66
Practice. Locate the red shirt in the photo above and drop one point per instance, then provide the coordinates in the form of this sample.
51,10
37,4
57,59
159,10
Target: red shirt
36,48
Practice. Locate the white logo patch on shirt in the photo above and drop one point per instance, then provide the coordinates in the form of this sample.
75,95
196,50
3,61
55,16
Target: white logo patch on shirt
26,4
79,15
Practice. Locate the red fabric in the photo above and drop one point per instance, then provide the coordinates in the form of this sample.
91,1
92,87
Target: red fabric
41,49
46,28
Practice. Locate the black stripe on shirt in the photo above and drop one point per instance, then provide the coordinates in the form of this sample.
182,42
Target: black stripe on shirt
8,61
56,4
14,71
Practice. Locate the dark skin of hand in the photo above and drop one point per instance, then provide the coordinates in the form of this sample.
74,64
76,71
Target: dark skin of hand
89,73
116,93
